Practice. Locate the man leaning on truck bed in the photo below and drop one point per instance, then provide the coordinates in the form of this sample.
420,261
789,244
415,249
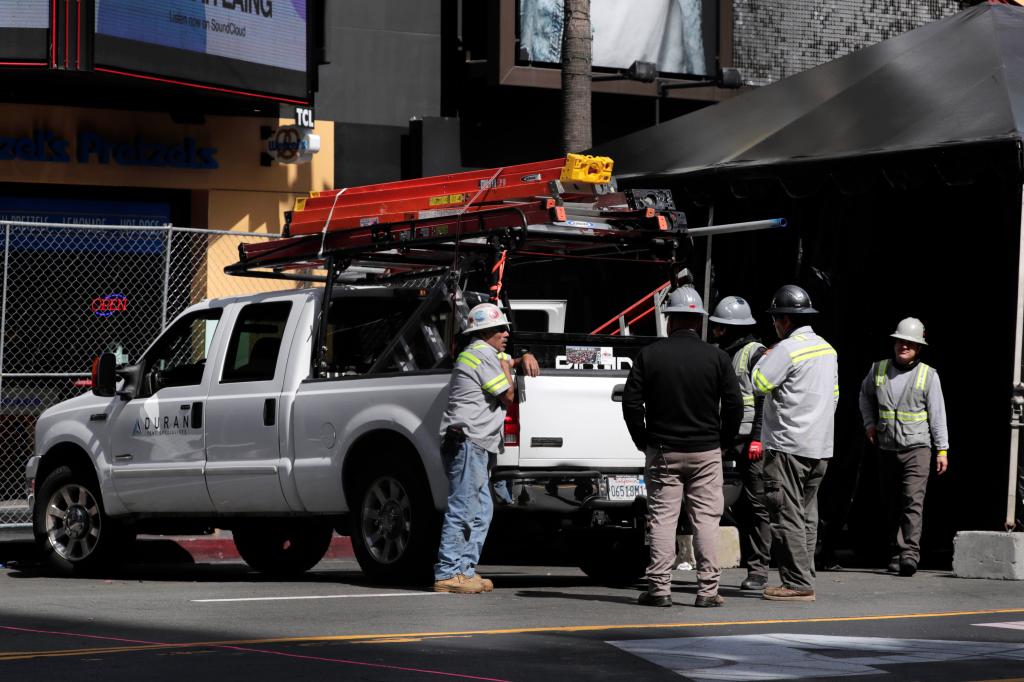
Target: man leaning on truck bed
472,435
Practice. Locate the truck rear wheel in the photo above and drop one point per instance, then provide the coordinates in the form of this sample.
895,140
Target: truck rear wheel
283,549
395,527
73,533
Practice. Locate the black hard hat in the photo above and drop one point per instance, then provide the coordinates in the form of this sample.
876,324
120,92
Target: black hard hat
791,300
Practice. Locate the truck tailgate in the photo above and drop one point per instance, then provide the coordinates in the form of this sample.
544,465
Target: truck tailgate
570,419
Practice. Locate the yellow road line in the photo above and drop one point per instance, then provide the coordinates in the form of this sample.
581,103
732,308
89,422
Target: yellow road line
406,636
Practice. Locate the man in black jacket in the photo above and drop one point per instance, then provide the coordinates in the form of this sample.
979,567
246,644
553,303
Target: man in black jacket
681,404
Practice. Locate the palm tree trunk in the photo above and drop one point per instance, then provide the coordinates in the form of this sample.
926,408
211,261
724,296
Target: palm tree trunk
577,55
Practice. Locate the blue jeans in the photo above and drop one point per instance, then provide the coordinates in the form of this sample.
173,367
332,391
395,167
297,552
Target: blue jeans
470,508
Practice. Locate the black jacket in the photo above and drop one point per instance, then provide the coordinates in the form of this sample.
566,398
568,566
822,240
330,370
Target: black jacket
682,394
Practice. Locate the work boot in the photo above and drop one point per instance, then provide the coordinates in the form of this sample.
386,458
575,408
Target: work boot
648,599
708,602
459,584
754,583
907,568
487,583
783,593
894,565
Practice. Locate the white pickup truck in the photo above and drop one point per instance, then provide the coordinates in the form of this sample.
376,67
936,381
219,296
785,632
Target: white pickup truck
221,424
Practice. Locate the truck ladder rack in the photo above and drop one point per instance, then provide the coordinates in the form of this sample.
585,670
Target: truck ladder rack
412,244
563,208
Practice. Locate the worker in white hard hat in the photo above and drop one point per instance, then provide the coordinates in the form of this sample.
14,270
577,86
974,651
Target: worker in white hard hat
480,390
682,404
731,328
905,416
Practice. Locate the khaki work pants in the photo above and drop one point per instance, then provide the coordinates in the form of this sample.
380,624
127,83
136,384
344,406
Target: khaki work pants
697,478
791,493
906,478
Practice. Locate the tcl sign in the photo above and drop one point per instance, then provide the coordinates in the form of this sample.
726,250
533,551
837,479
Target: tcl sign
105,306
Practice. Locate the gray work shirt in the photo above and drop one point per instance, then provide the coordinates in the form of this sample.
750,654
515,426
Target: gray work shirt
905,405
473,405
800,378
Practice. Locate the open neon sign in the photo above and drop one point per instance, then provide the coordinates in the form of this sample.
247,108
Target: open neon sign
105,306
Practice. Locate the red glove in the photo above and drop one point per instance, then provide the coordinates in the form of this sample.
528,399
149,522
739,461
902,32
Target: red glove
754,452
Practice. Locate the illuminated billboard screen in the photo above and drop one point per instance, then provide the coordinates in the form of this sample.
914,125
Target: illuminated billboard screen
23,30
679,36
256,46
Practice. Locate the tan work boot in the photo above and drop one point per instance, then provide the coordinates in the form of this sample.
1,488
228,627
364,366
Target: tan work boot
487,583
459,584
783,593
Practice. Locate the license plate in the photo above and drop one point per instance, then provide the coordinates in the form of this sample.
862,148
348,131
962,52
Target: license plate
625,488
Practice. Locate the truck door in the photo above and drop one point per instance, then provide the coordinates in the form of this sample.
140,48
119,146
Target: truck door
243,449
157,441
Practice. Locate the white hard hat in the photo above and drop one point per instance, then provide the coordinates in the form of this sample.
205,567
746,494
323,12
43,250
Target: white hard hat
910,329
733,310
485,316
685,300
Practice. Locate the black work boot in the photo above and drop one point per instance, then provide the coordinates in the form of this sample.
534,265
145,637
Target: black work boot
648,599
754,583
907,568
708,602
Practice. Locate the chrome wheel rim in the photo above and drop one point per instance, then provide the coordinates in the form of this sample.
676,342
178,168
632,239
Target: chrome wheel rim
73,522
386,520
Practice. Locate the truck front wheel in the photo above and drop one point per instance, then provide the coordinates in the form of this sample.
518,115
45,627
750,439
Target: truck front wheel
396,529
71,529
283,548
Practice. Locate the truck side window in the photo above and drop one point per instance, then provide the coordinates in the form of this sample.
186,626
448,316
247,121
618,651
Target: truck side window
359,329
256,342
424,345
179,357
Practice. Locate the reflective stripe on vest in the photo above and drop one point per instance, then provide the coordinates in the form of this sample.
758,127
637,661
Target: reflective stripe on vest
922,377
905,417
880,370
744,369
811,352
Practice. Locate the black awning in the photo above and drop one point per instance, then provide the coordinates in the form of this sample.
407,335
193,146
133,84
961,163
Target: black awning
955,81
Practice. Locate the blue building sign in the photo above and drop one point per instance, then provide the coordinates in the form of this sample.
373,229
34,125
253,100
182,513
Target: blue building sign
47,146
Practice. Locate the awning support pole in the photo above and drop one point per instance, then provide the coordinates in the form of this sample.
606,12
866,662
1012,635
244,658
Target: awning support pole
1017,402
707,276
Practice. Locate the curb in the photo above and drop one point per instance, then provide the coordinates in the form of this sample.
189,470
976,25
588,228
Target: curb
216,548
220,547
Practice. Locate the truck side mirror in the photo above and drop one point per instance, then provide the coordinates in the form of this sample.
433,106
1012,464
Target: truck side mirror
104,378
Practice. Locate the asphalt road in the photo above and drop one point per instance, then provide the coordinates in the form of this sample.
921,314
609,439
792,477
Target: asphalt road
218,621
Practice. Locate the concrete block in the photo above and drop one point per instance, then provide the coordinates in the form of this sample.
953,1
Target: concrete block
988,554
728,548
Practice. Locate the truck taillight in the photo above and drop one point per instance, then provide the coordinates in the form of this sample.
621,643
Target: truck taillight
512,425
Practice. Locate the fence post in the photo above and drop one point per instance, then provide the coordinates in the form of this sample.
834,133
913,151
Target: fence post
167,276
3,306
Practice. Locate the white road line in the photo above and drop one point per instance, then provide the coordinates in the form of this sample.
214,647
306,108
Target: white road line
1017,625
323,596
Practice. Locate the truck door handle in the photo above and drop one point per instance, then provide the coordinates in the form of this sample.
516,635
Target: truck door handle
617,392
269,411
197,415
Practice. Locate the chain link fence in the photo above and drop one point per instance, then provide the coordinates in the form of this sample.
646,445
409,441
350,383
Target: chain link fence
69,292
